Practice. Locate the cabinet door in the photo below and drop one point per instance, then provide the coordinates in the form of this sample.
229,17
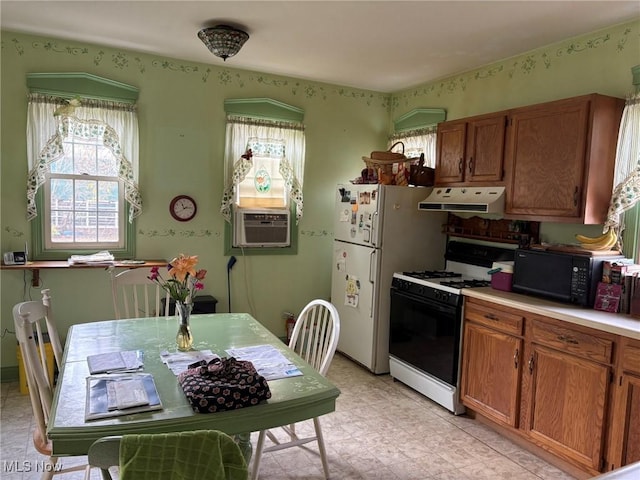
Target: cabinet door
625,421
450,153
485,149
566,405
630,416
546,159
490,380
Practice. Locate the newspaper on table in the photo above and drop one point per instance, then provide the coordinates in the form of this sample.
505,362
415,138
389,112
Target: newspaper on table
178,362
99,258
268,361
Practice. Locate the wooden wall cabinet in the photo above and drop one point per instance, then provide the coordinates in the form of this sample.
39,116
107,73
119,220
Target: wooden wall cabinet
559,159
551,383
471,151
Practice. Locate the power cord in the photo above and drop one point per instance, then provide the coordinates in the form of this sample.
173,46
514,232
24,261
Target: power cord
5,332
230,264
247,290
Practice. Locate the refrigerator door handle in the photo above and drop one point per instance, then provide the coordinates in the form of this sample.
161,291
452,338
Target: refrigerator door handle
374,229
373,252
371,280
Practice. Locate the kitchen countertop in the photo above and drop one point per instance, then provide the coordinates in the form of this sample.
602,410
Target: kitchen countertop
608,322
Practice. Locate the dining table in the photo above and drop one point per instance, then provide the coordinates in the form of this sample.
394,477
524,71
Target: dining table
293,399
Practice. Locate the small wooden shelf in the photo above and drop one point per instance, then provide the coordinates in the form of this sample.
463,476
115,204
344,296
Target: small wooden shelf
501,231
36,266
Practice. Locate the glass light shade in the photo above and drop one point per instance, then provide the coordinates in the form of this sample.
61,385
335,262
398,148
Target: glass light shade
222,40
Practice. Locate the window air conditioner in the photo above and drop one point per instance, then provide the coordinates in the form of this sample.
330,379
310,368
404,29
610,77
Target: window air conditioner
267,227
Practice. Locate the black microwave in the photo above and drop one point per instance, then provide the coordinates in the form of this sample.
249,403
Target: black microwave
565,277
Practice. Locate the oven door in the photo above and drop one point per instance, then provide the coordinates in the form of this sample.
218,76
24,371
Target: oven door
425,334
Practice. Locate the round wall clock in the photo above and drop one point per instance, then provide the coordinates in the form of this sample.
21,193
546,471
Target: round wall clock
183,208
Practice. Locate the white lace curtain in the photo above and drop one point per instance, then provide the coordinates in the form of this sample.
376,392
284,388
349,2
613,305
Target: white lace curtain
287,138
417,142
626,183
114,124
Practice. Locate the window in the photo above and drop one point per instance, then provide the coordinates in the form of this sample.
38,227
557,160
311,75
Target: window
82,193
264,166
84,198
625,200
264,185
418,142
417,130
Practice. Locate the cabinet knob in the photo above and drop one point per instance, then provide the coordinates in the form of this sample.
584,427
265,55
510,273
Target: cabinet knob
515,359
470,165
575,196
460,165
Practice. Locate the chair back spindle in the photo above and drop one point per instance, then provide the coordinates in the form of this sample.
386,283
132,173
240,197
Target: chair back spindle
135,296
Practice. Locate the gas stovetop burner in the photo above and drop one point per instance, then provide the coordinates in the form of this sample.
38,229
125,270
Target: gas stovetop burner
431,274
466,283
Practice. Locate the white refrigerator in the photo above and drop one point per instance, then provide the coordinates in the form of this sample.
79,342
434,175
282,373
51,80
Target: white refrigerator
378,231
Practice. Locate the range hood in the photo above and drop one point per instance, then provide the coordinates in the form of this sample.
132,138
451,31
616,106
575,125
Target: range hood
464,199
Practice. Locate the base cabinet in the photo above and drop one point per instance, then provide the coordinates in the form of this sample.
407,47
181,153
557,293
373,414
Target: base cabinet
491,360
565,407
625,422
563,387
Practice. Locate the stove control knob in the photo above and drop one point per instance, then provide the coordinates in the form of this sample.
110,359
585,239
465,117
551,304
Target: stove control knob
421,290
438,294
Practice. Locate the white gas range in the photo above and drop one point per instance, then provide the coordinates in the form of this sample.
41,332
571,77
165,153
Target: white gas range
426,321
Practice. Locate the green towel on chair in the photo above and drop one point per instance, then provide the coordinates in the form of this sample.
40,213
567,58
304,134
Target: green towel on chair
200,454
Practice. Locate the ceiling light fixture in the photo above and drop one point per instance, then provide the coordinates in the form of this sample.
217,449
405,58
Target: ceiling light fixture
223,41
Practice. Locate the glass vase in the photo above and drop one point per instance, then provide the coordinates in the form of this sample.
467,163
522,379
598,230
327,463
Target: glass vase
184,338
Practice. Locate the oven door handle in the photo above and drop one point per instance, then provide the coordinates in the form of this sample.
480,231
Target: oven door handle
433,305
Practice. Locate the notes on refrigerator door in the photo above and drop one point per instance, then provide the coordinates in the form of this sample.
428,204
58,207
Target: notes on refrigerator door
352,291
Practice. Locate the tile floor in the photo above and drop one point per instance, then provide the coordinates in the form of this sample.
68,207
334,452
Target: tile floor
380,430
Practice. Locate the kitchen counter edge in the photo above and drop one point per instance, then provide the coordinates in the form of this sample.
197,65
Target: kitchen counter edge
618,324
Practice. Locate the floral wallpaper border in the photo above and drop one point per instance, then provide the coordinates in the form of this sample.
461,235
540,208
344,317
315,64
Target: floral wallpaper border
120,60
522,65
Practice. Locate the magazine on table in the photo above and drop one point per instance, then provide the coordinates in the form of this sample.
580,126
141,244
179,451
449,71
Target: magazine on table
125,361
120,394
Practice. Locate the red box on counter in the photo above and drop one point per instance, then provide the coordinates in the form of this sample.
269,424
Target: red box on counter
502,279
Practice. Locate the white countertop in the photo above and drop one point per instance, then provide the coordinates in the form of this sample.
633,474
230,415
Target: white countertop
608,322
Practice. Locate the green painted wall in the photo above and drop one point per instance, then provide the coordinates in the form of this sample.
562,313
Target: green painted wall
600,62
182,120
182,128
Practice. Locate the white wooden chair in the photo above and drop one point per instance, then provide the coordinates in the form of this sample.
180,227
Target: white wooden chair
28,318
135,296
315,338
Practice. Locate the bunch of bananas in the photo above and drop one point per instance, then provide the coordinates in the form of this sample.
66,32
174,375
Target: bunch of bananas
606,241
